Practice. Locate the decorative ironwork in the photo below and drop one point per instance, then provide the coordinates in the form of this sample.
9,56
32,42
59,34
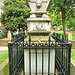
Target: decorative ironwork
62,54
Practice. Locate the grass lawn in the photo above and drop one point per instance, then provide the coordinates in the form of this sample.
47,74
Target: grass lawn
3,56
73,36
73,54
61,32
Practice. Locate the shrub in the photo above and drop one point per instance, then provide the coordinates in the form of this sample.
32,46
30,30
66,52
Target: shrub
2,35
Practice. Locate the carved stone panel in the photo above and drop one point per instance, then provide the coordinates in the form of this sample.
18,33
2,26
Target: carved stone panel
39,26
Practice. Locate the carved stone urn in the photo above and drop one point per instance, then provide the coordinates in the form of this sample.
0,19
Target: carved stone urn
38,21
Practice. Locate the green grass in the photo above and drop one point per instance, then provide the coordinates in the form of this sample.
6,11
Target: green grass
73,36
61,32
73,54
3,56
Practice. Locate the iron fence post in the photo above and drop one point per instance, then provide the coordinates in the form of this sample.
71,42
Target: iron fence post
55,54
42,58
29,55
23,58
69,58
49,58
36,59
10,60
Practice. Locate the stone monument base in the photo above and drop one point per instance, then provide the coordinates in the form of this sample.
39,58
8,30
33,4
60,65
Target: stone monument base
39,33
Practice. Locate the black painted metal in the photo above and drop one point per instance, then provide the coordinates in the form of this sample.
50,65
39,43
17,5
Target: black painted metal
16,55
29,55
42,58
36,59
62,54
49,58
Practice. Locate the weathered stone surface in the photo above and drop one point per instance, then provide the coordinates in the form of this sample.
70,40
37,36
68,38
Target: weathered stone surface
38,5
38,20
42,26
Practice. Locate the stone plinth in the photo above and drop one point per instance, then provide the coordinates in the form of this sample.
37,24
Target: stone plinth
39,61
39,25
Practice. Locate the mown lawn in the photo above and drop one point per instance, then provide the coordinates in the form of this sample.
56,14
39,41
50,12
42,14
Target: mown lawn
73,36
73,54
61,32
3,56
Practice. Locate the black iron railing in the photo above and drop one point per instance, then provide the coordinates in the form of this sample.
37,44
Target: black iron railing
62,55
60,37
17,37
16,54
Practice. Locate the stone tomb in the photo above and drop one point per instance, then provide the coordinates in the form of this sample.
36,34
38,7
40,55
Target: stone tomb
39,25
38,21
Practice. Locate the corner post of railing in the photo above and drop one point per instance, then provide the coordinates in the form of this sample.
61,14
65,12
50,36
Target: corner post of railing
10,59
49,58
29,55
69,58
62,56
55,54
23,57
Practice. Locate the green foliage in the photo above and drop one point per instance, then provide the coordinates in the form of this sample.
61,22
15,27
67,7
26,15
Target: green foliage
61,27
2,35
56,18
15,14
73,28
60,7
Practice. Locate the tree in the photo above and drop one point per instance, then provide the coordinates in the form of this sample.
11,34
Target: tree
15,14
65,6
55,18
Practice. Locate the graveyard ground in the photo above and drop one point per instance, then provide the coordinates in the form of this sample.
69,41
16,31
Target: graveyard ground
61,32
3,56
73,54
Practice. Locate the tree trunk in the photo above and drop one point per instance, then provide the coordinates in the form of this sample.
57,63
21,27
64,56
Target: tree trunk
57,27
63,19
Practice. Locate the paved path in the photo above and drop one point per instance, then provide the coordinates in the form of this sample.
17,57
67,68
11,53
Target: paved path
3,48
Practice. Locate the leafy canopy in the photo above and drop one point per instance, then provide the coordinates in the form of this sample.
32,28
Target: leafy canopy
15,14
57,7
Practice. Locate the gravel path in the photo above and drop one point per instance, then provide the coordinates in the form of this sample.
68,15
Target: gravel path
3,48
